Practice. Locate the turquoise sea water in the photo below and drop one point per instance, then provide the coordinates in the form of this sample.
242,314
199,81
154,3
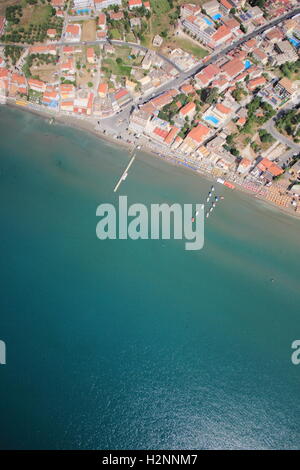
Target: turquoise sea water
138,344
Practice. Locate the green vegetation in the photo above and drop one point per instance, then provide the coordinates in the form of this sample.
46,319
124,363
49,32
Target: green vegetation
118,28
114,33
67,82
232,149
239,93
170,110
28,22
161,7
290,69
259,3
13,53
35,96
208,95
37,59
191,48
259,112
265,137
289,123
13,14
112,67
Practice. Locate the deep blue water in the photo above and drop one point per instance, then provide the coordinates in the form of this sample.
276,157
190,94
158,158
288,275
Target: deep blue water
138,344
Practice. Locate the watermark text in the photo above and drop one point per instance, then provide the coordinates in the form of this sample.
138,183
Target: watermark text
163,222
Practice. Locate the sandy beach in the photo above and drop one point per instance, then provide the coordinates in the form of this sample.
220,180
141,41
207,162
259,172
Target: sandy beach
84,124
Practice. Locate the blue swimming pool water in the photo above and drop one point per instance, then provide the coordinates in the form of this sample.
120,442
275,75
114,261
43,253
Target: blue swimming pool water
247,64
213,119
82,10
217,16
207,21
294,41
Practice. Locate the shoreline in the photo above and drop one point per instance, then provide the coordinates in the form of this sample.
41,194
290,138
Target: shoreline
85,125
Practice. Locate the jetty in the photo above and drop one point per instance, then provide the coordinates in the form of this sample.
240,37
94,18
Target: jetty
125,173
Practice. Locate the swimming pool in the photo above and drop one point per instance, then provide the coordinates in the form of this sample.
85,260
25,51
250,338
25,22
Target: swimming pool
83,10
207,21
217,16
212,119
294,41
247,64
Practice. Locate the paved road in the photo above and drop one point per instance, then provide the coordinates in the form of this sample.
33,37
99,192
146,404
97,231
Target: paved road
193,71
123,117
270,127
100,41
198,67
177,82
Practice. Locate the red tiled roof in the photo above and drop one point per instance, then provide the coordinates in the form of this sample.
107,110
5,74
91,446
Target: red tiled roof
4,73
274,33
241,121
266,164
223,109
221,33
198,133
252,84
245,162
68,50
233,67
187,108
19,79
90,52
160,132
38,83
73,29
171,135
231,23
101,19
226,4
102,88
119,15
121,93
133,3
188,89
259,53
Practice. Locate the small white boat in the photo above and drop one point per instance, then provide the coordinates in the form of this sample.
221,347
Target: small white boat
214,204
207,199
211,209
207,215
197,212
212,188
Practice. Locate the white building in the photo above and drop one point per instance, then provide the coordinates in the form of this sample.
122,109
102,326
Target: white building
101,4
82,4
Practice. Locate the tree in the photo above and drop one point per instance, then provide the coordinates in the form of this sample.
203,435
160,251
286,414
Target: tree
209,95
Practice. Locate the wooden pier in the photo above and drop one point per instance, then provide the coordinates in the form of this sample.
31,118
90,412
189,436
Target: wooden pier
125,173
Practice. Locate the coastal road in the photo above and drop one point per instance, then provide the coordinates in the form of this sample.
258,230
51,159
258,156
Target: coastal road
194,70
270,127
123,116
214,57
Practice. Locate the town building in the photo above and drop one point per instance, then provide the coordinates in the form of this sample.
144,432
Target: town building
73,32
